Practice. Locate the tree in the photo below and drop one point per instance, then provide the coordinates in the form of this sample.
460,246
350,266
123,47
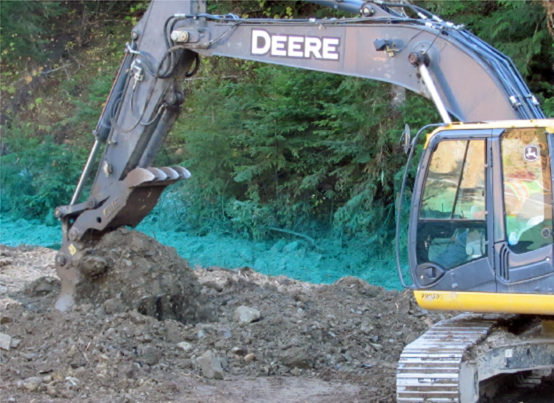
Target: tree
25,29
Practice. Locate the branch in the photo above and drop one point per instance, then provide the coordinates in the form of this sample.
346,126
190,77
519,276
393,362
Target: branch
208,78
293,233
42,73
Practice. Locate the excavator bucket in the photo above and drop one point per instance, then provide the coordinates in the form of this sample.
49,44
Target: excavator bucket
142,189
130,201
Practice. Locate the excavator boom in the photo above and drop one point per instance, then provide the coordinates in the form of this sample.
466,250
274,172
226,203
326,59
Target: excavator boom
473,82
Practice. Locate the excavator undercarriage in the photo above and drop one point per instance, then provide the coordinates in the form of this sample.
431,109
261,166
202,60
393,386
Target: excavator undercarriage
462,359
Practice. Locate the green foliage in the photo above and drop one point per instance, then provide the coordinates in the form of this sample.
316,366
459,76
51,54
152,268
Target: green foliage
278,9
208,129
249,218
88,111
305,146
25,28
136,11
548,107
268,147
288,148
37,175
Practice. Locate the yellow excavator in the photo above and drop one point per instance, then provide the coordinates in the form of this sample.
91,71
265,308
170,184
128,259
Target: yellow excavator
480,228
480,240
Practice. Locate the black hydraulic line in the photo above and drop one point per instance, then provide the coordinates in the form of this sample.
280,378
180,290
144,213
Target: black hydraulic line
421,12
355,6
169,43
142,113
350,6
166,37
194,70
104,125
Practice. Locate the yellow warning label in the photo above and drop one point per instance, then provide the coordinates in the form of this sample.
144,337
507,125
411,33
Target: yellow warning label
72,249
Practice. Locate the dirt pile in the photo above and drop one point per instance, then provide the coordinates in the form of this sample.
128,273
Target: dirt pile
128,270
262,335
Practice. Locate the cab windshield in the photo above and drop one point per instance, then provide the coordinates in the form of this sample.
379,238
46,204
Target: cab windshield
451,225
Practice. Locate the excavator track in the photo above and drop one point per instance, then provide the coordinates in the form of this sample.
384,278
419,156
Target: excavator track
430,368
447,363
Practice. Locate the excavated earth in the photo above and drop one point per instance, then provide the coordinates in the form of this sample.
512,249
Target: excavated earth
149,329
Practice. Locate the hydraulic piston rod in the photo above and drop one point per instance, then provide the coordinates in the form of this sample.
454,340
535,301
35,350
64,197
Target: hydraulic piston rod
86,172
421,61
428,81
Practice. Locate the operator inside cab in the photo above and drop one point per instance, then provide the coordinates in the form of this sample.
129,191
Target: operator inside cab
452,224
527,189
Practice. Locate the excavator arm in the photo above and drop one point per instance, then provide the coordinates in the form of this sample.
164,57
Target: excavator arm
143,104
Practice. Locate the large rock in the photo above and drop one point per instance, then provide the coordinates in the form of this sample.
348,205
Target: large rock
92,266
245,314
151,355
42,286
32,383
210,365
298,357
5,341
185,346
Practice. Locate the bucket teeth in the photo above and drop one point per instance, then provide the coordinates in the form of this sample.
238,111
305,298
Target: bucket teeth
171,173
183,172
156,176
158,173
138,176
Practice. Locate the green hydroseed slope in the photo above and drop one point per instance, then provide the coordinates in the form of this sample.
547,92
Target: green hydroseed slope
295,258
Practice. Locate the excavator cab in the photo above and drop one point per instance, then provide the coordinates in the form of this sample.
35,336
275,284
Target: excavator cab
481,217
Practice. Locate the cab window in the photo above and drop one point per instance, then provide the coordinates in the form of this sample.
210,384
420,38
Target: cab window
527,189
451,225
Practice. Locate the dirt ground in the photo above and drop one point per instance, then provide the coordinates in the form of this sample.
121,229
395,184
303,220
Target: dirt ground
245,337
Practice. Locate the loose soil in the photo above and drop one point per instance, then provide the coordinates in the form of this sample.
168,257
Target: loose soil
126,341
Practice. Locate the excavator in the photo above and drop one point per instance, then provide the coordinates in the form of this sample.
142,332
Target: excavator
480,237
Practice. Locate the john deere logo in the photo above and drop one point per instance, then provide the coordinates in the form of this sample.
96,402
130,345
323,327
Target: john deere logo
531,153
295,46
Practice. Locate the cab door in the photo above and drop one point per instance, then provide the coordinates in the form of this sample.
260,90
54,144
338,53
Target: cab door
523,209
450,224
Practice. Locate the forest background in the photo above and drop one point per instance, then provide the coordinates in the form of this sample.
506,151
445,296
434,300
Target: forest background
275,152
